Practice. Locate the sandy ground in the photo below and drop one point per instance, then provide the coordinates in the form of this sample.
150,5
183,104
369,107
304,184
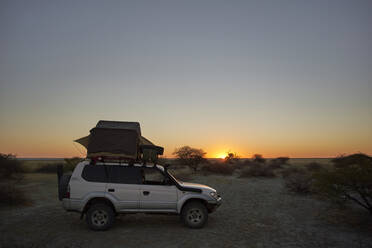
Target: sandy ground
255,213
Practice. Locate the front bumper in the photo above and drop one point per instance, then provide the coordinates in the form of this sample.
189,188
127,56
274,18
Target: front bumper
213,205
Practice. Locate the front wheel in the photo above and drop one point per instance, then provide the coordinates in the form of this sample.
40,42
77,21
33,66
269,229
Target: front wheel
100,217
194,215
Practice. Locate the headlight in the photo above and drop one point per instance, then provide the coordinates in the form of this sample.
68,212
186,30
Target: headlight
214,195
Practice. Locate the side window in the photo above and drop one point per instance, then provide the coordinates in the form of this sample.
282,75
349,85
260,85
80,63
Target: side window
125,174
153,176
94,173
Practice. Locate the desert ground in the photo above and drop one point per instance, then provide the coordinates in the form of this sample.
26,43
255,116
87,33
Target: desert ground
256,212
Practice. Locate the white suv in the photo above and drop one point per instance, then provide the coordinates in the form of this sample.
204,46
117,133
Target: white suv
103,190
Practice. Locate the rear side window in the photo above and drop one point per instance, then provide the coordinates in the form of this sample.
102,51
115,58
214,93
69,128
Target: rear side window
95,173
125,174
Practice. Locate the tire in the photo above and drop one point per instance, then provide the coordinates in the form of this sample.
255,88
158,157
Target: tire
100,217
194,215
63,186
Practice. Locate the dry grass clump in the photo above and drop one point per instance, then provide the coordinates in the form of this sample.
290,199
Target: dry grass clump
219,168
297,180
278,163
291,170
257,170
10,167
10,195
242,163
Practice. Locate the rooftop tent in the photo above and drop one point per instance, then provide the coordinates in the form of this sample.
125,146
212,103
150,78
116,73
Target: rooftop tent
120,125
113,143
119,139
84,141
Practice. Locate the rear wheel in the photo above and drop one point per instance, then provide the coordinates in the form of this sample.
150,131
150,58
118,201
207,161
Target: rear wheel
194,214
100,217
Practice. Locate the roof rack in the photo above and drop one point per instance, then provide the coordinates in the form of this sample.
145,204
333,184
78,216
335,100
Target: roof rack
110,159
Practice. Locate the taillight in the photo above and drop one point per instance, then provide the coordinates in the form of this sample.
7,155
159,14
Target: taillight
68,192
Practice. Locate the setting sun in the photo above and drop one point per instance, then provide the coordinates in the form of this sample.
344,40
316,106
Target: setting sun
221,155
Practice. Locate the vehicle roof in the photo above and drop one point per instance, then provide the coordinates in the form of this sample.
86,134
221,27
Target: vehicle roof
125,164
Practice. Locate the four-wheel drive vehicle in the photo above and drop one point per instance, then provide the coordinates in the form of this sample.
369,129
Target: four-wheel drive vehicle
102,190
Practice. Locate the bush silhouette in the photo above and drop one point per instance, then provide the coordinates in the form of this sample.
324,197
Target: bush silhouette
278,163
231,158
350,180
11,175
257,170
297,180
189,156
10,167
258,158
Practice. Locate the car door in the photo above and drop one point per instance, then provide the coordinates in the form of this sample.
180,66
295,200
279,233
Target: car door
124,186
156,193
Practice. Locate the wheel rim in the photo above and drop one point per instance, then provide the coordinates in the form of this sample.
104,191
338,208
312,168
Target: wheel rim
194,216
99,218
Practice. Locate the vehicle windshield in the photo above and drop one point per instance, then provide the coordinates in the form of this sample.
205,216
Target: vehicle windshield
175,179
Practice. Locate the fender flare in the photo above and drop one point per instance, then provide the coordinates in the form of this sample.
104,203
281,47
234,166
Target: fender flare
93,195
189,197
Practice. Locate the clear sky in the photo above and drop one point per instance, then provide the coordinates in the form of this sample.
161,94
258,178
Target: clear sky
291,78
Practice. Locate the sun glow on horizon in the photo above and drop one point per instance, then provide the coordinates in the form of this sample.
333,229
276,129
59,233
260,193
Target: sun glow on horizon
221,155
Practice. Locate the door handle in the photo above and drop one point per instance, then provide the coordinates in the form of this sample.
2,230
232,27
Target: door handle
146,192
111,190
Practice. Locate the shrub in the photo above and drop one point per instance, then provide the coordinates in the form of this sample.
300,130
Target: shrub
349,181
257,170
242,163
298,180
231,158
11,174
10,167
277,163
354,159
290,170
11,196
219,168
258,158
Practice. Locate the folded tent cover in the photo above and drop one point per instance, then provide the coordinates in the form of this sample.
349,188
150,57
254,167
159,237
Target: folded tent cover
119,139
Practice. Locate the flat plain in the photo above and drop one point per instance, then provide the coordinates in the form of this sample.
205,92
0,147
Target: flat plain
256,212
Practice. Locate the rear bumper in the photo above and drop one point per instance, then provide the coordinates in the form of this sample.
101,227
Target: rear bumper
213,205
71,205
66,204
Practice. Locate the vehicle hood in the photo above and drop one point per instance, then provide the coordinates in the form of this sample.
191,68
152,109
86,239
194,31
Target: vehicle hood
197,186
